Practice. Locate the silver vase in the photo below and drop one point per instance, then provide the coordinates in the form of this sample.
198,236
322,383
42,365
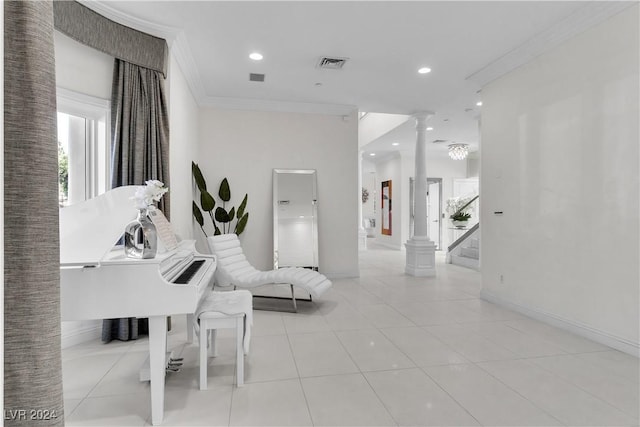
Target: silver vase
140,237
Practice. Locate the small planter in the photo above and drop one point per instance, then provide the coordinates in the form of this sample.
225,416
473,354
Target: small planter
460,224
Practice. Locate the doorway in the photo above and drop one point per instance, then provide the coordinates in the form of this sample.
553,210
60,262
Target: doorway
434,209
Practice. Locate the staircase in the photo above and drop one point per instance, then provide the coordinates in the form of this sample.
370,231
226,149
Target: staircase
465,251
468,254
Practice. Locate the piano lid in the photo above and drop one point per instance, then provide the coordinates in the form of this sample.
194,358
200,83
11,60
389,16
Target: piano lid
90,229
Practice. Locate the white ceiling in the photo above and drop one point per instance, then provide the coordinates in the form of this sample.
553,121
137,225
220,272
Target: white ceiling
465,43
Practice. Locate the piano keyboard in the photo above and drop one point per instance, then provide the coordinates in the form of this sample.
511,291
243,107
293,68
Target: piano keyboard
189,272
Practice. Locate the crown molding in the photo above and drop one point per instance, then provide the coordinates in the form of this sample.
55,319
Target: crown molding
277,106
182,54
166,32
584,18
175,38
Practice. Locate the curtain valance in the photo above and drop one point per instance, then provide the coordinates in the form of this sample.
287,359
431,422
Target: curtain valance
88,27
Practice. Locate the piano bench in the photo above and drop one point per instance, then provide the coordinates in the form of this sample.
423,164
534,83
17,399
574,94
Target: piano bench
209,322
211,317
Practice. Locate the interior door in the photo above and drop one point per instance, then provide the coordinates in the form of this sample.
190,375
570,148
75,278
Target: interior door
434,210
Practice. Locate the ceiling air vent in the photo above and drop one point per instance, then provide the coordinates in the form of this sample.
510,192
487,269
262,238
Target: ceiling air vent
256,77
328,63
439,141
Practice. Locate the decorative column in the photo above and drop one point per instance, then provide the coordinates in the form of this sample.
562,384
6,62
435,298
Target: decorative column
421,251
362,233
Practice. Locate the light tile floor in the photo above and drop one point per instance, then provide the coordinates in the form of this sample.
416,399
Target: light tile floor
383,349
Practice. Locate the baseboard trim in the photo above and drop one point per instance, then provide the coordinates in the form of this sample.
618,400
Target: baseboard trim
343,275
389,245
578,328
81,335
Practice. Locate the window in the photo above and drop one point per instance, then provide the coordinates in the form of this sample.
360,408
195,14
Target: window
83,147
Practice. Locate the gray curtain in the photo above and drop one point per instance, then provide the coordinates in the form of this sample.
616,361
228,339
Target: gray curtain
139,150
32,355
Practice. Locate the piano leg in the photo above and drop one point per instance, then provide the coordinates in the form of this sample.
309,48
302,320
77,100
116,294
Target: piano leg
190,328
157,349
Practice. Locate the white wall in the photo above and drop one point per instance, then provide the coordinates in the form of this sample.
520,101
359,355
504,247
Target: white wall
407,165
183,131
473,165
373,125
560,158
371,208
82,69
245,146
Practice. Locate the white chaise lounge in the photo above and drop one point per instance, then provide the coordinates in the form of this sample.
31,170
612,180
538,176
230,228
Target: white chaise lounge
233,269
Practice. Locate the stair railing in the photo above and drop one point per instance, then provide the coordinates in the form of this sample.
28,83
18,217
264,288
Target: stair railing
467,204
470,231
464,237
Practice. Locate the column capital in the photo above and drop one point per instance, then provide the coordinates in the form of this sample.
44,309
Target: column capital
422,116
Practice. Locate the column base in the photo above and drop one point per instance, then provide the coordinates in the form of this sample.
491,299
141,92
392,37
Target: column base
362,239
421,257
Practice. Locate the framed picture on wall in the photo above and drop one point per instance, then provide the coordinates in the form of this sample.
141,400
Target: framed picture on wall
385,206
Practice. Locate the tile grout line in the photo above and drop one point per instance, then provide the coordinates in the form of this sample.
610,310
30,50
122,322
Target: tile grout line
380,399
86,396
450,395
516,391
415,325
293,356
364,376
567,381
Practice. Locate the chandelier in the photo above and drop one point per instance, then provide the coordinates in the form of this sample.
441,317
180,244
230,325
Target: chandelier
458,151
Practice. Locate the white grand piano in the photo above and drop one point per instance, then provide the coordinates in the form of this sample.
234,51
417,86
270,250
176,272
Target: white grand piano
97,280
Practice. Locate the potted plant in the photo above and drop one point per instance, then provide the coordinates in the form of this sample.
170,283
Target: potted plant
222,218
460,219
459,209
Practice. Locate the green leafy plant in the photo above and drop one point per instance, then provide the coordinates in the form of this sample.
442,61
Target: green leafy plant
460,216
221,218
63,172
460,208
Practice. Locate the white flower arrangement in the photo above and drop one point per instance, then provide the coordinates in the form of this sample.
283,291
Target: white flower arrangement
454,204
148,194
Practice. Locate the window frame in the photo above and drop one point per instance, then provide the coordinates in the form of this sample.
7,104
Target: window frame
94,110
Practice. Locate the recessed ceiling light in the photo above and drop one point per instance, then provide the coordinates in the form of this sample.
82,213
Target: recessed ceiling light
424,70
256,56
479,103
429,128
395,143
372,154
